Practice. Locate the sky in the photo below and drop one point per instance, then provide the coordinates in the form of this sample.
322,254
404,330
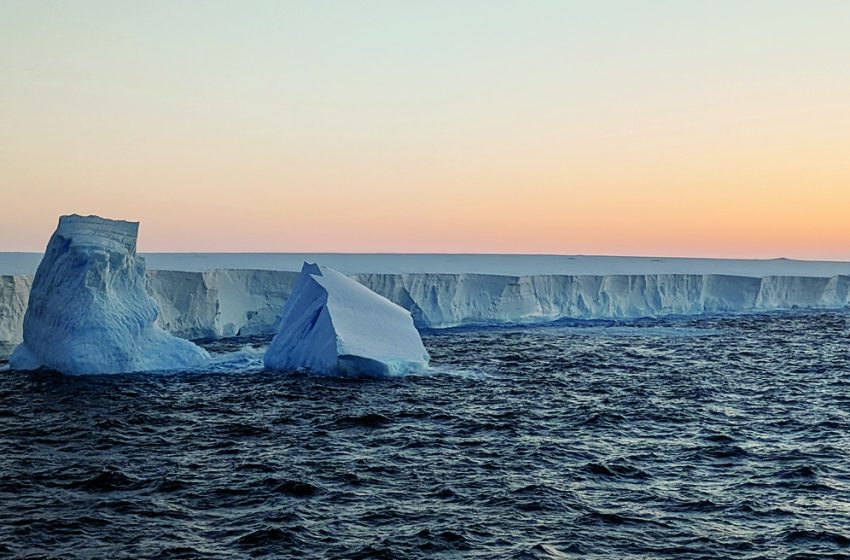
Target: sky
713,128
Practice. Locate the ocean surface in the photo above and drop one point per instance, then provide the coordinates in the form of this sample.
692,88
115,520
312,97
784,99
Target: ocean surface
723,437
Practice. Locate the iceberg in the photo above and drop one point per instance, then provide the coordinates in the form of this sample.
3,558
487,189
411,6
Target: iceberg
331,324
89,311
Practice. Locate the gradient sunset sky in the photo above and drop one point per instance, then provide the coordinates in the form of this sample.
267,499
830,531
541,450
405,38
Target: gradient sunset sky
699,128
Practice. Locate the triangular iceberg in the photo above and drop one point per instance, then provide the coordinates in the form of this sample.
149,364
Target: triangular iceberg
333,325
88,309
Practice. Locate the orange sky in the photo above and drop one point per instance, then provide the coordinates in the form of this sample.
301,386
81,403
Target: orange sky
541,127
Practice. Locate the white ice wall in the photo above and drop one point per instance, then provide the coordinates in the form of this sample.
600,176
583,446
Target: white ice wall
14,294
446,300
222,303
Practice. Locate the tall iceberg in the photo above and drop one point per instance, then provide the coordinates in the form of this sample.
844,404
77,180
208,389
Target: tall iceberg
331,324
88,309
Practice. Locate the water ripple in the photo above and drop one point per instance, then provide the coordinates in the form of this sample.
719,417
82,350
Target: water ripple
719,437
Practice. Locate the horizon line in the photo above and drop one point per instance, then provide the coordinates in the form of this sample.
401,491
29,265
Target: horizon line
469,254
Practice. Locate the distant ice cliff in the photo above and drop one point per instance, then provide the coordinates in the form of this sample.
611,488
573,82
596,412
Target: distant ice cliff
222,303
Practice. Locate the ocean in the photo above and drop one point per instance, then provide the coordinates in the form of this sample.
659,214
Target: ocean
680,438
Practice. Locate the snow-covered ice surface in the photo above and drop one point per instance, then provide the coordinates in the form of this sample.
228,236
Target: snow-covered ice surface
510,265
333,325
88,310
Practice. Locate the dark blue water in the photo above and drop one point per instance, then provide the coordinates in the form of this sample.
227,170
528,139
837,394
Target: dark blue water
713,438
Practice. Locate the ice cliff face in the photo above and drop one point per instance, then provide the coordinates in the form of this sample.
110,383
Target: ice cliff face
228,302
220,303
448,300
331,324
88,310
463,299
14,293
